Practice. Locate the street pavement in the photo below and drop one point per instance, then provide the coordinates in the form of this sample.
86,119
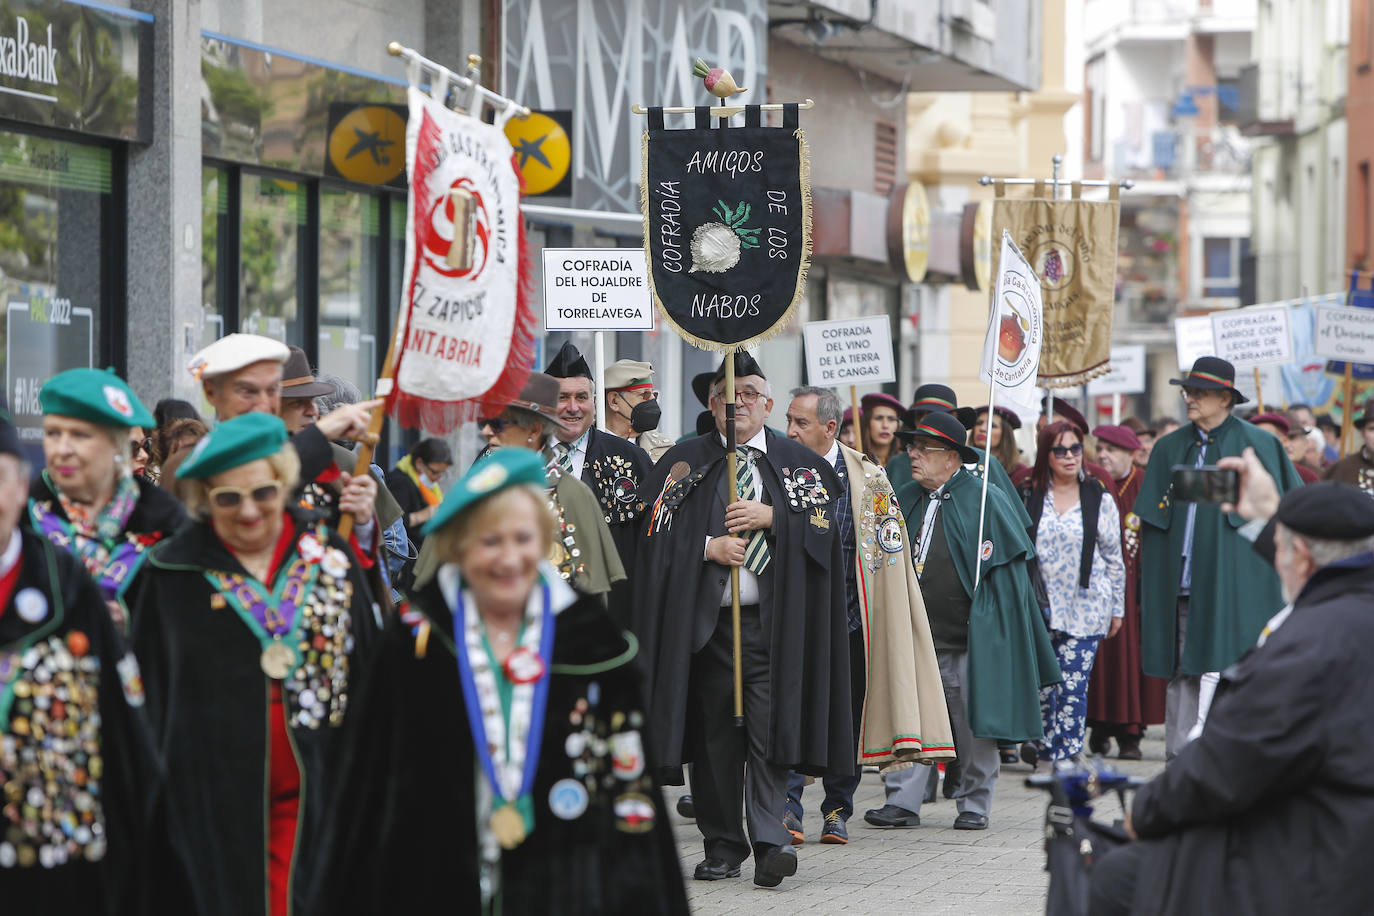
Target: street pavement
934,867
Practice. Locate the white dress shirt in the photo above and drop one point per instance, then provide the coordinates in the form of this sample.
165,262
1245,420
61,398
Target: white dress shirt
748,581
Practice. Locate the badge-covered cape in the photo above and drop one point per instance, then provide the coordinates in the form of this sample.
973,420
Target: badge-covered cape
1009,652
905,718
727,230
676,604
601,831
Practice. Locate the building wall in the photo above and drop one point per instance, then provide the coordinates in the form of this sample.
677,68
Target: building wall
840,130
1359,110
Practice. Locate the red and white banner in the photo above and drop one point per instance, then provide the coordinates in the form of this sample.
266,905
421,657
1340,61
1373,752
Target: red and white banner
465,337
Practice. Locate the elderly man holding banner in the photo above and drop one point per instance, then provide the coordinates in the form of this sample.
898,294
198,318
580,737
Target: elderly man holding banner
898,703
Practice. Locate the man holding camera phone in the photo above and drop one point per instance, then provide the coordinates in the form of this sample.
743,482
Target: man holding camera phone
1205,595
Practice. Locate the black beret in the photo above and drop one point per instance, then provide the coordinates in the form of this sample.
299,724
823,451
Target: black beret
1328,510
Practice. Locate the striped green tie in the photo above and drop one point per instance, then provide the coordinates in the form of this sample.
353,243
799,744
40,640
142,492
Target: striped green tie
756,554
563,453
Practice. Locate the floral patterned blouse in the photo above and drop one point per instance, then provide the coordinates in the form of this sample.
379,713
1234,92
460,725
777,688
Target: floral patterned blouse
1059,547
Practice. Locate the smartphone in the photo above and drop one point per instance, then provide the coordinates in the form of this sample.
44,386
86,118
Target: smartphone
1205,484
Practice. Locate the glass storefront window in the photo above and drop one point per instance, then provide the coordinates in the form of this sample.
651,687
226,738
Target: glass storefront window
273,216
349,339
55,200
215,235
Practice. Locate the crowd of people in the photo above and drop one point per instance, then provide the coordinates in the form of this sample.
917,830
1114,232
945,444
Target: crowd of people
243,672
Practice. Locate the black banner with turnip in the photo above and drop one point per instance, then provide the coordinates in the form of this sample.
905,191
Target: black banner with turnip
727,226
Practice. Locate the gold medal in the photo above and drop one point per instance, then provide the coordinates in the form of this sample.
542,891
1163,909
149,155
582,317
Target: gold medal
277,660
507,826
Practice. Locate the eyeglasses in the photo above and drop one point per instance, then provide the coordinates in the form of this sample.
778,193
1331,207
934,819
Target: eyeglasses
1064,451
144,445
743,395
230,497
925,449
1194,394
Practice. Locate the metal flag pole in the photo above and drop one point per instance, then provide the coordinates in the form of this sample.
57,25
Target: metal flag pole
988,459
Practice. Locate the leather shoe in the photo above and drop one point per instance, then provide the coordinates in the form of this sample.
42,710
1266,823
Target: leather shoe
892,816
954,774
834,832
777,863
968,820
713,869
685,808
1030,753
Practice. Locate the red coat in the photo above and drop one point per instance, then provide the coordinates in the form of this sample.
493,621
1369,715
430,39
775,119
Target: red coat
1119,691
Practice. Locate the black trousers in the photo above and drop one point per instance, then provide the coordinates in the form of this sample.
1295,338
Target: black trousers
729,769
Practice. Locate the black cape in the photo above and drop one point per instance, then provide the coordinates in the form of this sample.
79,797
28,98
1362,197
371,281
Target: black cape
405,840
677,601
1271,809
208,707
138,868
617,471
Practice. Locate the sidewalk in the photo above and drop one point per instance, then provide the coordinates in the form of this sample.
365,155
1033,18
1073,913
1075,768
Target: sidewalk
939,869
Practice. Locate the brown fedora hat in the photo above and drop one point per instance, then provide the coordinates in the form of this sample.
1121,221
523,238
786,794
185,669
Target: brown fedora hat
297,381
539,396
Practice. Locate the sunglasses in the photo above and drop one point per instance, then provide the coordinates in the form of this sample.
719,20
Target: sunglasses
230,497
1064,451
146,445
495,423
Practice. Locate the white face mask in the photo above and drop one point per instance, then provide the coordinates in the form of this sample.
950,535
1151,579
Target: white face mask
424,479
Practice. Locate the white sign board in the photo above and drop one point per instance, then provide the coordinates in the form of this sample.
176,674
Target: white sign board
1344,334
851,351
1271,385
1127,375
596,289
1193,338
1253,336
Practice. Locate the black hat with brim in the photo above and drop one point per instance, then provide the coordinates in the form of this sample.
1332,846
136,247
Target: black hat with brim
1328,510
936,398
1363,418
701,387
1213,373
943,428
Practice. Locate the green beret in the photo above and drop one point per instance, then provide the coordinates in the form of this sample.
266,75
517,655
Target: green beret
505,467
233,443
95,395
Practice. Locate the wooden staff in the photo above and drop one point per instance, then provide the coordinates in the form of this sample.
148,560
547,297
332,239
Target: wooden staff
1259,391
1348,409
858,436
730,461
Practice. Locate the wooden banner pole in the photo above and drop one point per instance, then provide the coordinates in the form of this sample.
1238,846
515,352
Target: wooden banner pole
858,433
731,469
1348,408
1259,391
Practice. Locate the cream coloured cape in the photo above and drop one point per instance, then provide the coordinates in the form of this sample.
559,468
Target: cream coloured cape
904,717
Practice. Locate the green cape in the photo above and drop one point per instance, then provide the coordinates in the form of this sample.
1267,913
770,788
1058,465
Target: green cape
899,473
1009,652
1234,591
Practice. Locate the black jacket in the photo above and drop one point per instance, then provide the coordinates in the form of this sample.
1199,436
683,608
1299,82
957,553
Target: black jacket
802,605
77,648
405,839
208,705
1271,809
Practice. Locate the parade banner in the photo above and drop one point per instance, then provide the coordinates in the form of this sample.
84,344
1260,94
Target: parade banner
464,339
1071,245
1253,336
727,226
1014,344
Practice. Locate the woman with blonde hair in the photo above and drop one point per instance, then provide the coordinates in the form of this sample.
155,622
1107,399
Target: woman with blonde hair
251,626
519,784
